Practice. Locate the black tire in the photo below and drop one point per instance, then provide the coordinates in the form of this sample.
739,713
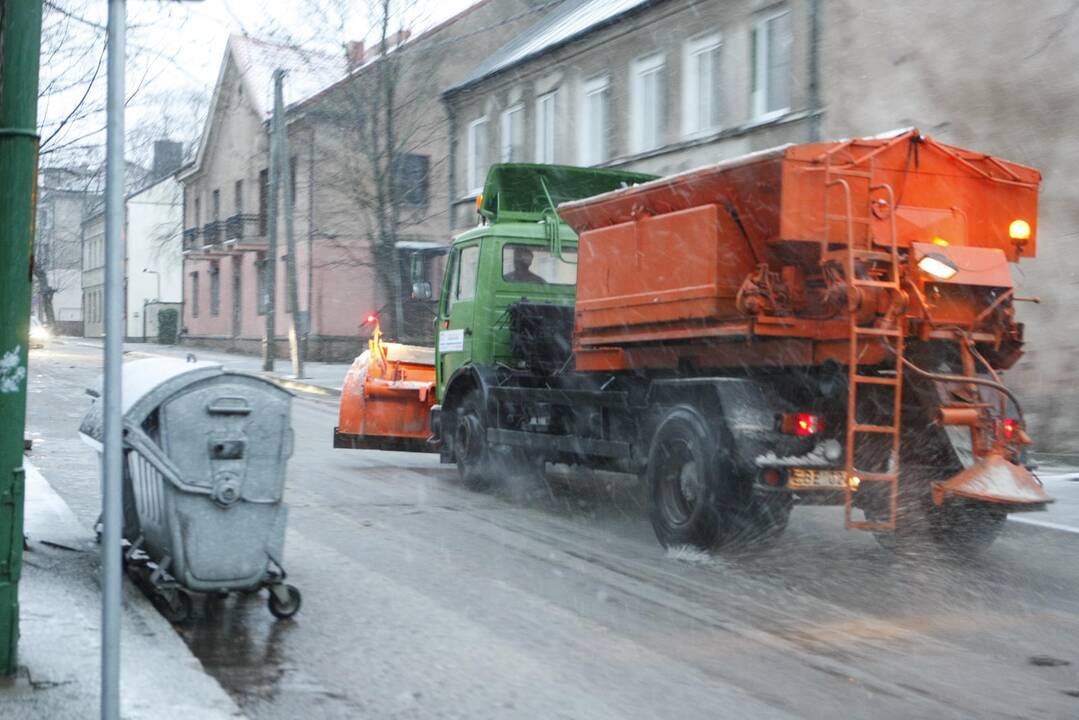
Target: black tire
471,451
759,523
966,529
285,610
176,607
684,473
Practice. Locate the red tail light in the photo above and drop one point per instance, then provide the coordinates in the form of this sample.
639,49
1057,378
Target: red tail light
802,424
1010,428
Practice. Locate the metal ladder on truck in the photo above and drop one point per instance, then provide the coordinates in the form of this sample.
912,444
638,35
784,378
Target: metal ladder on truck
860,252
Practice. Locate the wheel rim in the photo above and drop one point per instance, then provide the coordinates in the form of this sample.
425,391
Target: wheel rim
467,435
679,481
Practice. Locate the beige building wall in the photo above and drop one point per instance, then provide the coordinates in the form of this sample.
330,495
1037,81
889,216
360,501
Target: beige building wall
995,77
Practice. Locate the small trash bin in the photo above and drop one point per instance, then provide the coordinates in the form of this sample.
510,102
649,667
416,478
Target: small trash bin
205,451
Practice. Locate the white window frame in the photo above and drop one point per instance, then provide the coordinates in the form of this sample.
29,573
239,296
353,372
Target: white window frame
692,101
506,133
477,138
639,68
547,128
586,145
759,68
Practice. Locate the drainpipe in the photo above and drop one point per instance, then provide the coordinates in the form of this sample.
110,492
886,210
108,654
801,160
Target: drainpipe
310,236
815,109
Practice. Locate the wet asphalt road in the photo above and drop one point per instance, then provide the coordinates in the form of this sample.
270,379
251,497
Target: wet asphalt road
425,600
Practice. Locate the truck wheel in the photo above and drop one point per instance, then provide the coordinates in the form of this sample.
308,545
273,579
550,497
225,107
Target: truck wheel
683,472
470,449
760,523
965,528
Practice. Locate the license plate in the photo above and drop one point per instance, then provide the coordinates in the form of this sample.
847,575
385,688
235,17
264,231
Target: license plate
802,478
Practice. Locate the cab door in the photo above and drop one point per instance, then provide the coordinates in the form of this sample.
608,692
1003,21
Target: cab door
458,312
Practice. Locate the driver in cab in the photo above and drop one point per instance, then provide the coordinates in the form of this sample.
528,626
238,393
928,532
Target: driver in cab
522,264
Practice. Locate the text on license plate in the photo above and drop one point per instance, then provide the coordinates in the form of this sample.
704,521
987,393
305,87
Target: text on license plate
804,478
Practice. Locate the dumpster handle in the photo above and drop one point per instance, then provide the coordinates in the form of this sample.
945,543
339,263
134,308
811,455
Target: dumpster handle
140,441
229,405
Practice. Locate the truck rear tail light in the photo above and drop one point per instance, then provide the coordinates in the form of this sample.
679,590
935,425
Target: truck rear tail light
802,424
773,477
1010,429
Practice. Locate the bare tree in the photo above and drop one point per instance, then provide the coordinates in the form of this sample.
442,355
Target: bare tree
71,125
385,119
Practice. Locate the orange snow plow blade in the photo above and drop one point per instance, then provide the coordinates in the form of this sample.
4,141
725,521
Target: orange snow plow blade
387,397
995,480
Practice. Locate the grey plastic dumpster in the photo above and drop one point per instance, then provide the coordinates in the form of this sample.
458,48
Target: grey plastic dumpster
205,457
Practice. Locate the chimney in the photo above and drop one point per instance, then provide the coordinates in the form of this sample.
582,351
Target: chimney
168,157
354,51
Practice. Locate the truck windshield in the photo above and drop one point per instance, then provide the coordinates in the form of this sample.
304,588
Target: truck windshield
535,264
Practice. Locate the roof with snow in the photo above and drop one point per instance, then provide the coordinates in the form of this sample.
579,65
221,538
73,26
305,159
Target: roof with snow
569,21
307,72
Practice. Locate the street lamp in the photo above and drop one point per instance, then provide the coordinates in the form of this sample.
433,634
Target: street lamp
148,271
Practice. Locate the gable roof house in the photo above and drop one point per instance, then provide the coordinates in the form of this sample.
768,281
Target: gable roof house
362,184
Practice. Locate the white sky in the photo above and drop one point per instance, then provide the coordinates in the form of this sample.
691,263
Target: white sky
176,48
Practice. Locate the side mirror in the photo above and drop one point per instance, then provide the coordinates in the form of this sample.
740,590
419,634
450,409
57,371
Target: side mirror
421,290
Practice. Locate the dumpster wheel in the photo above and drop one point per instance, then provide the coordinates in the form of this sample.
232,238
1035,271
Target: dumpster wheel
289,605
174,606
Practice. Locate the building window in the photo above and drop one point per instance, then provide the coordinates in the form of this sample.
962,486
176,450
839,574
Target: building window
513,134
215,289
647,103
700,90
410,179
195,294
546,117
477,155
198,212
594,118
216,196
238,197
771,91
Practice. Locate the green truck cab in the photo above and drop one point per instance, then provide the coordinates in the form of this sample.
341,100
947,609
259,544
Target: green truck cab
520,250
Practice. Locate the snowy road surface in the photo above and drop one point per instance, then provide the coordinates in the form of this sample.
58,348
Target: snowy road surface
425,600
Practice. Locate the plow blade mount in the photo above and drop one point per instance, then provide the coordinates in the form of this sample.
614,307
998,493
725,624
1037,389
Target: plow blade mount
386,400
995,480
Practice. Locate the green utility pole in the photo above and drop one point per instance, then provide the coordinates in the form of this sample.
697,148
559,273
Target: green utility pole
20,45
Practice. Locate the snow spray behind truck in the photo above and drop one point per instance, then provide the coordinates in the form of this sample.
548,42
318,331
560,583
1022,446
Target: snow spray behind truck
823,323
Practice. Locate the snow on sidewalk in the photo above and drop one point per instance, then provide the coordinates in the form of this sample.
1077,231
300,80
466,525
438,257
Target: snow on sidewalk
60,632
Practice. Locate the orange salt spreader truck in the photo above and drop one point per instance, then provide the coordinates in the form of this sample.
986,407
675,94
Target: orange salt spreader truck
821,324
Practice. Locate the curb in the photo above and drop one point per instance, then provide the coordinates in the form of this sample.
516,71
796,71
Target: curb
161,679
302,386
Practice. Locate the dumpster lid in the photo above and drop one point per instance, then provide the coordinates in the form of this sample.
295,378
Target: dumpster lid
145,385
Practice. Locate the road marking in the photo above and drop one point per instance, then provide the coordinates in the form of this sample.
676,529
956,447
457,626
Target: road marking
1044,523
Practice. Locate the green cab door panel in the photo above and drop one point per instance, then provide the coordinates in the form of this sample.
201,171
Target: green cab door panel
456,333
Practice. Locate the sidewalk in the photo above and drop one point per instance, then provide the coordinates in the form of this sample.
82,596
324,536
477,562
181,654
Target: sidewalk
60,633
319,378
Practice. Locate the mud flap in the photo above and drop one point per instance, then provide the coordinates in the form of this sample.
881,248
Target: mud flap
995,480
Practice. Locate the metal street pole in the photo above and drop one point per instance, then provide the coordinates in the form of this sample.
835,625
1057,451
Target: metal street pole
112,465
20,37
270,268
292,297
